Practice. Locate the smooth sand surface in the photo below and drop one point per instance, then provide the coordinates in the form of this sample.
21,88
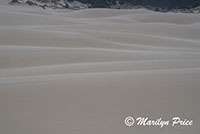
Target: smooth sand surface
83,72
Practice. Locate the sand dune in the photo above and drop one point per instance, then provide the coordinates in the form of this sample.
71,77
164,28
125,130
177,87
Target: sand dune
84,71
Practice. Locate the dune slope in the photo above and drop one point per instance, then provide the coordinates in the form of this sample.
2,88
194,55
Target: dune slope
84,71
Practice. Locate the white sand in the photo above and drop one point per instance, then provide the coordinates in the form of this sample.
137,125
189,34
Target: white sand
83,72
